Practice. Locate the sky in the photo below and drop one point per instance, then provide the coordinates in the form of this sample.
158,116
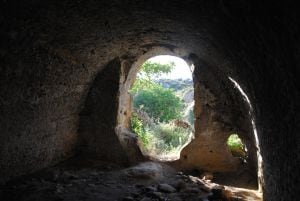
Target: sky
181,69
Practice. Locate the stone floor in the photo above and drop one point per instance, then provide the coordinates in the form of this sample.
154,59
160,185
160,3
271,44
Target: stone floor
89,180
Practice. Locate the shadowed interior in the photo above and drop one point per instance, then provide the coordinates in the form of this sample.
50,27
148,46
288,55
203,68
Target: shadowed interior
66,67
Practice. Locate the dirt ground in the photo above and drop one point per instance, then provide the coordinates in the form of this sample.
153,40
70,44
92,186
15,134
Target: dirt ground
91,180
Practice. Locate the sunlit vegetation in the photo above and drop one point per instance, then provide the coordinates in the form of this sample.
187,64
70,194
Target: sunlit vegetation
236,146
160,103
160,138
158,117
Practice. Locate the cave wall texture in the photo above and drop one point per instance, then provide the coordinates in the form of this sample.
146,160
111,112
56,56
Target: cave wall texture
218,114
52,52
97,120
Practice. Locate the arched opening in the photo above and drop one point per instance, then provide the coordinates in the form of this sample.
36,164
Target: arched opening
254,134
61,48
162,115
215,114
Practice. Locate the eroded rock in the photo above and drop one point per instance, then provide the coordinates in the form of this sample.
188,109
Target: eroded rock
166,188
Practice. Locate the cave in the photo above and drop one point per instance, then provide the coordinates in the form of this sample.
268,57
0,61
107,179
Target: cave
65,70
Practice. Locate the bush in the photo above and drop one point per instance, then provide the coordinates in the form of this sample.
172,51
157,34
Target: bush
160,138
236,146
159,103
167,138
172,135
138,128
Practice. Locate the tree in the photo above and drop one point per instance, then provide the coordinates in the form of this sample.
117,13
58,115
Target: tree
160,103
148,72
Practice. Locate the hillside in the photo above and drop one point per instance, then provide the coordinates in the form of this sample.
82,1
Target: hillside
176,84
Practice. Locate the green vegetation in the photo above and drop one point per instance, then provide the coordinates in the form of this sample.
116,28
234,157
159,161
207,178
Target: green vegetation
138,128
148,72
236,146
155,109
171,135
160,138
160,103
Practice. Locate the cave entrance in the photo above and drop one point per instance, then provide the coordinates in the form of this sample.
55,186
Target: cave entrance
162,114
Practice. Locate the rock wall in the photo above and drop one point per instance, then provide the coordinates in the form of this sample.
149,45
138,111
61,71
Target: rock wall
219,111
98,118
51,52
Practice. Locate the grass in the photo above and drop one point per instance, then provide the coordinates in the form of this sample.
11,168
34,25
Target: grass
160,139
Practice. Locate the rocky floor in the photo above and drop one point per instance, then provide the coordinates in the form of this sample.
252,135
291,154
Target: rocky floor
90,180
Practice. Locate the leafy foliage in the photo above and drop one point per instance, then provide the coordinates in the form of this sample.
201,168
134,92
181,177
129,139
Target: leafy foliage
138,128
140,85
172,135
236,146
155,107
160,103
148,72
165,138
